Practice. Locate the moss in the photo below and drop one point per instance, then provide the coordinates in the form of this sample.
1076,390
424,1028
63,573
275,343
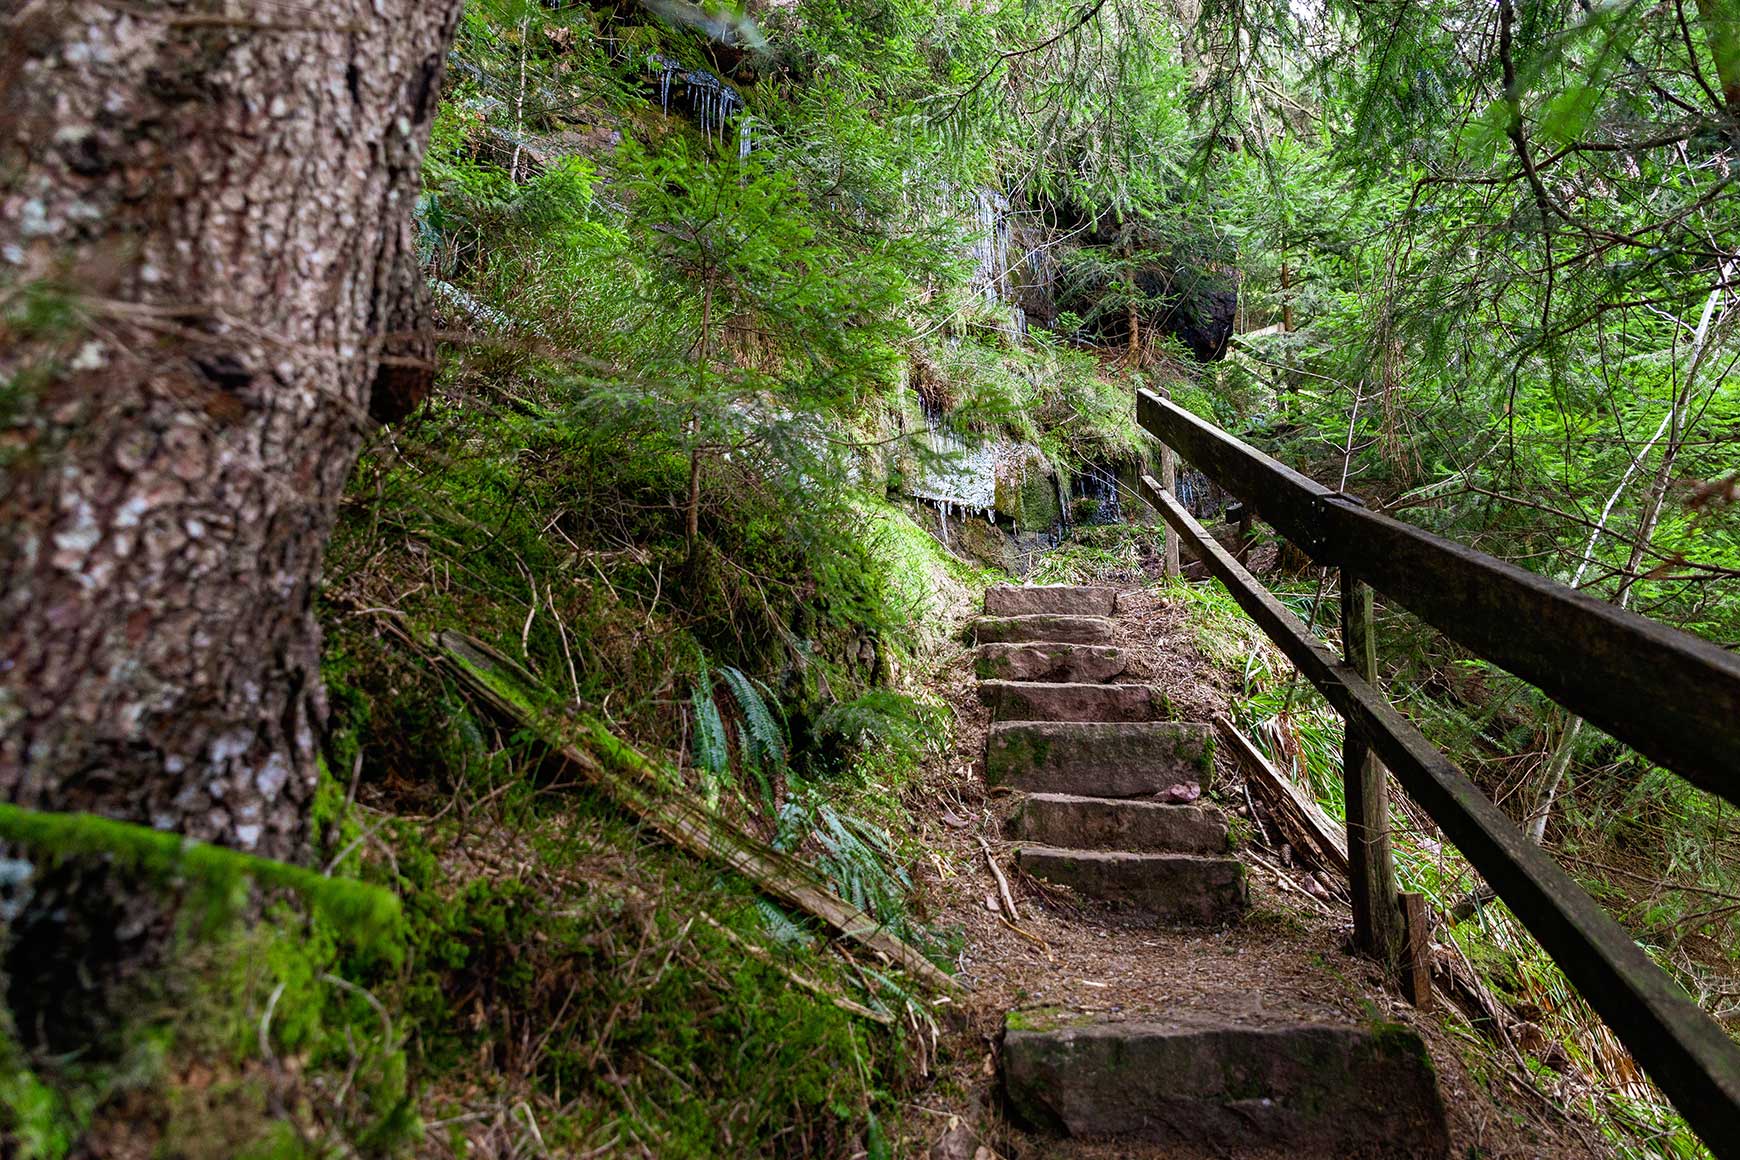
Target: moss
1205,760
1392,1040
992,668
1052,1018
1039,510
217,874
1023,750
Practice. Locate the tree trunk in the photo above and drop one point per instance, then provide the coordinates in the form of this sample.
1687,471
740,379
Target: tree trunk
207,208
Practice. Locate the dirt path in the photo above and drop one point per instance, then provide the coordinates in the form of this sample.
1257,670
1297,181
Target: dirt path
1284,962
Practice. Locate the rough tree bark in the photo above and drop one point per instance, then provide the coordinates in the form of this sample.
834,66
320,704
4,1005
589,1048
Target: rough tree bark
209,280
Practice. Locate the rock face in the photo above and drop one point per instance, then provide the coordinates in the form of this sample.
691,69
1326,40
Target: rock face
1313,1090
1047,628
1048,662
1202,317
1056,599
1186,888
1091,823
1035,701
1096,759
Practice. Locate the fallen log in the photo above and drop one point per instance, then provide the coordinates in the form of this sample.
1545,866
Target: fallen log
652,791
1301,820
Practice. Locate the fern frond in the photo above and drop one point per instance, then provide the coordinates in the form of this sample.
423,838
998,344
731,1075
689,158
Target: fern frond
766,736
710,750
780,927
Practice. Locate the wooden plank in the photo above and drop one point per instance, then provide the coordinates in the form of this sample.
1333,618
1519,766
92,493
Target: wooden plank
1671,696
1417,963
1287,499
1313,833
1169,479
1377,924
1681,1047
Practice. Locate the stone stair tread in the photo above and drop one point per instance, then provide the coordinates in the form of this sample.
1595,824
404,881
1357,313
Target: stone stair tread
1313,1089
1055,661
1095,823
1067,599
1043,628
1097,758
1071,701
1193,888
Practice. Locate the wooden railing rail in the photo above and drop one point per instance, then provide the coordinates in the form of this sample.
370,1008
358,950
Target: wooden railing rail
1671,696
1564,642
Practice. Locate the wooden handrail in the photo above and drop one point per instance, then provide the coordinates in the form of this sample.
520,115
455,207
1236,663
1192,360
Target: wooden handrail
1673,697
1682,1048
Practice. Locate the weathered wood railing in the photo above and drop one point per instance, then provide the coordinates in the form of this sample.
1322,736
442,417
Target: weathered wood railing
1671,696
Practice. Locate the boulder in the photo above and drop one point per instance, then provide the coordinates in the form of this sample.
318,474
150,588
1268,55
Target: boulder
1055,599
1047,628
1073,701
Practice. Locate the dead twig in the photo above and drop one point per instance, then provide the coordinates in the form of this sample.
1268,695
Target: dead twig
1002,882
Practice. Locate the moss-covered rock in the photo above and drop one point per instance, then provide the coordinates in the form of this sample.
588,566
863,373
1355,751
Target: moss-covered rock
1026,489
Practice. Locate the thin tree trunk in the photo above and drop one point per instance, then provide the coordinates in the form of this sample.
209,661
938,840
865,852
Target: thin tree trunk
1722,28
221,210
692,513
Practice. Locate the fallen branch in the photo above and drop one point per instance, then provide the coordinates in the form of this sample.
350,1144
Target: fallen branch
1029,936
1002,882
650,790
1301,820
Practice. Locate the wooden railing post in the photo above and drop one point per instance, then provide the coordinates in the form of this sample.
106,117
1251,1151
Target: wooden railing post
1169,480
1377,917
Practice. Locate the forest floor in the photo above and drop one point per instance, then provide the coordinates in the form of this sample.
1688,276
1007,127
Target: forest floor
1286,961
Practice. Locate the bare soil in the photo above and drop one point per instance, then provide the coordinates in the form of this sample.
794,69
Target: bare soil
1286,961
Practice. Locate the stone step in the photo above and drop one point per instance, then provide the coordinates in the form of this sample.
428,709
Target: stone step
1147,887
1097,759
1090,823
1058,599
1048,662
1042,627
1312,1090
1075,701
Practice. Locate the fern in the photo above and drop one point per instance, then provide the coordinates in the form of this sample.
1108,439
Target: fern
756,769
882,717
712,750
766,737
862,863
780,927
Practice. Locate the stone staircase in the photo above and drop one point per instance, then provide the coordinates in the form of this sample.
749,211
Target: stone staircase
1093,758
1094,761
